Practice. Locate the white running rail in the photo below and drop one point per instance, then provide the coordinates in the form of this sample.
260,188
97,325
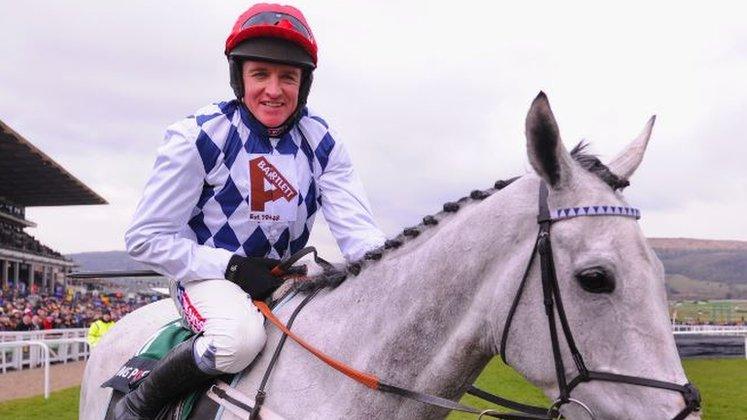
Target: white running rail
45,356
65,345
717,330
710,329
46,352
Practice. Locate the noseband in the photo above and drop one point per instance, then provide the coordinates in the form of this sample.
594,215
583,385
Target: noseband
553,302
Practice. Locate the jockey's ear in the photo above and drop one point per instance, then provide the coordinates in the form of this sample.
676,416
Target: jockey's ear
546,152
625,164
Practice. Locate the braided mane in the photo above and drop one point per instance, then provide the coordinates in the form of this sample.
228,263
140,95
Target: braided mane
333,278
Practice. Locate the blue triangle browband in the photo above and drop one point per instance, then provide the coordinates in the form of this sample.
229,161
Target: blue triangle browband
567,213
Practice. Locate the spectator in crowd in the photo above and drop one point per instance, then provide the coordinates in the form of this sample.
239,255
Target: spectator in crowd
63,309
97,330
25,324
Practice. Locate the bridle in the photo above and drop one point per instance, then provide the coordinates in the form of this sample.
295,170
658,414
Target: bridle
553,302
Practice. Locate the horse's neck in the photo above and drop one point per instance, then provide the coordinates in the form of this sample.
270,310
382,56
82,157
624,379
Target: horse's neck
423,317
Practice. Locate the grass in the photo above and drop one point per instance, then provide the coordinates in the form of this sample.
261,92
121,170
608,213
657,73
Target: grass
62,405
722,382
723,386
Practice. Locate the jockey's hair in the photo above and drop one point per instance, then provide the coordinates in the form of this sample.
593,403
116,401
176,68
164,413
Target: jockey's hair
334,277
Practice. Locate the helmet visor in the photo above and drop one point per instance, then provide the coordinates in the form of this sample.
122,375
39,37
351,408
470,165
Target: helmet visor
275,50
278,19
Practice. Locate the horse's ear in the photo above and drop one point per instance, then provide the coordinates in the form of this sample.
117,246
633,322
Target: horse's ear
627,162
546,152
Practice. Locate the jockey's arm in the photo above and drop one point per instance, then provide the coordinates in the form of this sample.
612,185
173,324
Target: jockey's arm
170,195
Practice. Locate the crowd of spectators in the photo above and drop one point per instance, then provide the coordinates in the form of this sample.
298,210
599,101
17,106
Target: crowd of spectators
13,237
64,308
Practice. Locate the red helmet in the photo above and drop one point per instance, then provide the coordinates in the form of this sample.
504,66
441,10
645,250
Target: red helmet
263,22
275,33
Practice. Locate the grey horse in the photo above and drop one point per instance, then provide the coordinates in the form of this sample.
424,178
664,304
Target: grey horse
430,314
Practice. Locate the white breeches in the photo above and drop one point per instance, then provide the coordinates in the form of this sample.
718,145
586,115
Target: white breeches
232,328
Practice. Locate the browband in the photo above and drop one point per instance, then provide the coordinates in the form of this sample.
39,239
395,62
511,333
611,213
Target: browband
567,213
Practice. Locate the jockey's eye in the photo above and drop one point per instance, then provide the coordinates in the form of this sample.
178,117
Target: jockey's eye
596,280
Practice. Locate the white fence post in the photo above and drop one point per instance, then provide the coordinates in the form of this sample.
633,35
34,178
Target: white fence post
44,345
45,356
61,351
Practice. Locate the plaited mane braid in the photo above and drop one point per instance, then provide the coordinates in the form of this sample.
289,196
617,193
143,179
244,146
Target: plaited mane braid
333,279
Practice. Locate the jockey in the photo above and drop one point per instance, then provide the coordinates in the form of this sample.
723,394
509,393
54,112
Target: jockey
235,188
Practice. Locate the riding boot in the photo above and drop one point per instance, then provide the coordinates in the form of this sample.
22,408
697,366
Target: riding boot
173,376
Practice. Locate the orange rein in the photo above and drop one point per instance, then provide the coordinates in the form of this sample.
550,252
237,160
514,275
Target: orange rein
366,379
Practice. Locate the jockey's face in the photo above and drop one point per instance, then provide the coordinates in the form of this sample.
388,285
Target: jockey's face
271,91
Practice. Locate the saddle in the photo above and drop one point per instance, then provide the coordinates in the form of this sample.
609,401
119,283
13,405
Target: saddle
202,403
209,401
137,368
206,402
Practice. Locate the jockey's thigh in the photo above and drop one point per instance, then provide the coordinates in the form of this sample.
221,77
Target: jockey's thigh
232,328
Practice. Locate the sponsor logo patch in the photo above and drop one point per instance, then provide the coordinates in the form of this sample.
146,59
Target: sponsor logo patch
130,375
273,183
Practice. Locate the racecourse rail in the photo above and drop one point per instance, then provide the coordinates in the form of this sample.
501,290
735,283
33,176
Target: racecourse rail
30,349
713,330
65,345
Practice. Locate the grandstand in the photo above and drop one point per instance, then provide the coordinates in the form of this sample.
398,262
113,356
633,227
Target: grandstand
30,178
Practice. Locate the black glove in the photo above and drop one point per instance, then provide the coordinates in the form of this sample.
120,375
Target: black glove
252,274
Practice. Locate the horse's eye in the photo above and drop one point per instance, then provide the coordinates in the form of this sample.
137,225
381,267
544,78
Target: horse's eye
596,280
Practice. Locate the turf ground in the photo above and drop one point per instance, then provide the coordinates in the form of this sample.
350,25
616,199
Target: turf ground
722,382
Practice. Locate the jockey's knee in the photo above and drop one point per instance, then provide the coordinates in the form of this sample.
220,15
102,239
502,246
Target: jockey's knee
234,345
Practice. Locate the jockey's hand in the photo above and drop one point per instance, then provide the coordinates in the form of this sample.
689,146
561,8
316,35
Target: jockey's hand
253,275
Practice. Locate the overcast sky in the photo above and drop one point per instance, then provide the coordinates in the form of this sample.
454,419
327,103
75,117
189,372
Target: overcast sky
429,97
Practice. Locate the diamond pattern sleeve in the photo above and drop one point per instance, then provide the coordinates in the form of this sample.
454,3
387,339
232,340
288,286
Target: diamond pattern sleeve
156,236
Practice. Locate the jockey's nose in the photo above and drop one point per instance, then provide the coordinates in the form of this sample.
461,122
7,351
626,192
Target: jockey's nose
272,88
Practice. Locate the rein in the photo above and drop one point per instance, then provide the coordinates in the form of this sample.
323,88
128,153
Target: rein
372,381
369,380
552,303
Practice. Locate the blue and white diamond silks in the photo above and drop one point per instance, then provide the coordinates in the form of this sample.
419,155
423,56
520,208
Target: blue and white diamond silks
203,199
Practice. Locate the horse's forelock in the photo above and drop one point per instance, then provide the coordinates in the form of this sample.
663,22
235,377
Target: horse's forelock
592,164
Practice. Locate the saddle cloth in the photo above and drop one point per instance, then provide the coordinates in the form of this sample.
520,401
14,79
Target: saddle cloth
135,370
205,403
